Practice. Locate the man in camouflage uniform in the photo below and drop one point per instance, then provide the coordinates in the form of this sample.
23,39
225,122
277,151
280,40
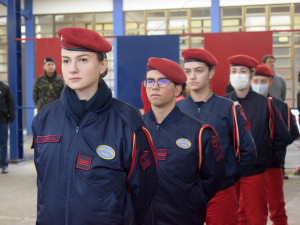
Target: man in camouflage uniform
47,87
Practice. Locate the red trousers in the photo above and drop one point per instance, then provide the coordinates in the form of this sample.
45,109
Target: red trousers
252,194
276,197
222,208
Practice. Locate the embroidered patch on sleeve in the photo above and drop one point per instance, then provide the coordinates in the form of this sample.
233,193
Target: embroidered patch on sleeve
218,153
279,115
145,160
161,154
48,138
214,141
84,162
247,124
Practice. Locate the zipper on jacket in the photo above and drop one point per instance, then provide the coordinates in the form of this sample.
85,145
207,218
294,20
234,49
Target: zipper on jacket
198,110
155,140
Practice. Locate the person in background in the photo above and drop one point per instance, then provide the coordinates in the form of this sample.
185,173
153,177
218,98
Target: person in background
228,119
269,132
278,88
260,84
94,158
47,87
189,154
7,116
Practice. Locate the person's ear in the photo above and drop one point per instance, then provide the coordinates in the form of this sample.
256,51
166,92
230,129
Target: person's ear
178,89
103,65
211,74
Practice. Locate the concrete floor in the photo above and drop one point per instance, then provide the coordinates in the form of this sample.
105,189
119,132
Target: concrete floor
18,190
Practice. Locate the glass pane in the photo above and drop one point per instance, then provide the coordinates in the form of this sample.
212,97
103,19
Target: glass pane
296,40
4,77
156,14
280,28
255,10
196,23
44,35
43,29
99,27
177,31
284,72
3,68
3,59
196,30
232,11
83,17
231,29
63,18
156,32
281,51
183,43
206,23
132,25
179,23
108,26
200,13
297,8
207,30
156,24
103,17
283,62
178,14
232,22
297,19
280,9
255,28
3,49
197,42
255,20
141,32
281,40
63,25
3,21
280,19
137,16
3,30
43,19
84,25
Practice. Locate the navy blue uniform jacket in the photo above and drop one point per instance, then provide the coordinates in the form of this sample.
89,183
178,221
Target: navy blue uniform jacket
183,189
290,121
100,172
218,112
260,121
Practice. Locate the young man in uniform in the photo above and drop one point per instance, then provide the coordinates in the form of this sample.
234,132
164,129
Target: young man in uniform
228,119
260,84
189,155
269,133
94,158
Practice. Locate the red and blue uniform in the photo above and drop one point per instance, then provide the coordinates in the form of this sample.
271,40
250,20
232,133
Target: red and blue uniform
97,170
190,168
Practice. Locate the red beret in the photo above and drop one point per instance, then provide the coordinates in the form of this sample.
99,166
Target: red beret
243,60
199,54
82,39
263,70
170,69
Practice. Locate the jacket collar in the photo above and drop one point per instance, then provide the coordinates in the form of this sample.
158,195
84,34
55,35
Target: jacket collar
209,100
234,97
172,117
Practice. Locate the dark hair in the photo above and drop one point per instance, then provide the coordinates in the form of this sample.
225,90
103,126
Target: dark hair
210,67
183,88
48,59
101,57
266,57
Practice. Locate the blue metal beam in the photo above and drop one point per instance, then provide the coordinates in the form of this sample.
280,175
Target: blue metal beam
3,2
118,24
30,65
15,76
215,16
26,13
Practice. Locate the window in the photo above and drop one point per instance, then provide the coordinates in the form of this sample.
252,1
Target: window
156,22
232,19
135,23
104,23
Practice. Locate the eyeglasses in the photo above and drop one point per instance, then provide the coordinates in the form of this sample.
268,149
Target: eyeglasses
162,83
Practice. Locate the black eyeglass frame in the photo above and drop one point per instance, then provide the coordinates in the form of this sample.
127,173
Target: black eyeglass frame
157,81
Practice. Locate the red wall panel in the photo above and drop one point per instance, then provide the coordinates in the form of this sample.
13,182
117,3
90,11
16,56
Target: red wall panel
47,47
224,45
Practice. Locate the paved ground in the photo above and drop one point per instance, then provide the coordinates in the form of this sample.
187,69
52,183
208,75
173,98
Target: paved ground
18,191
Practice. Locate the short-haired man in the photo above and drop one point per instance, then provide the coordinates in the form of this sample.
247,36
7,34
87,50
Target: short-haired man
48,86
189,155
278,88
260,83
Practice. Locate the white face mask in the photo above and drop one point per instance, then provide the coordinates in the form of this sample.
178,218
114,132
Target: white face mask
260,88
239,81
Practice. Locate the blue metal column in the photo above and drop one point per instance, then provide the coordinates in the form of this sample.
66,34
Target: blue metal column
15,76
215,16
118,24
30,64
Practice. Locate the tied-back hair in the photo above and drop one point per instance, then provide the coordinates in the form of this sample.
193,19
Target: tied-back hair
101,57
